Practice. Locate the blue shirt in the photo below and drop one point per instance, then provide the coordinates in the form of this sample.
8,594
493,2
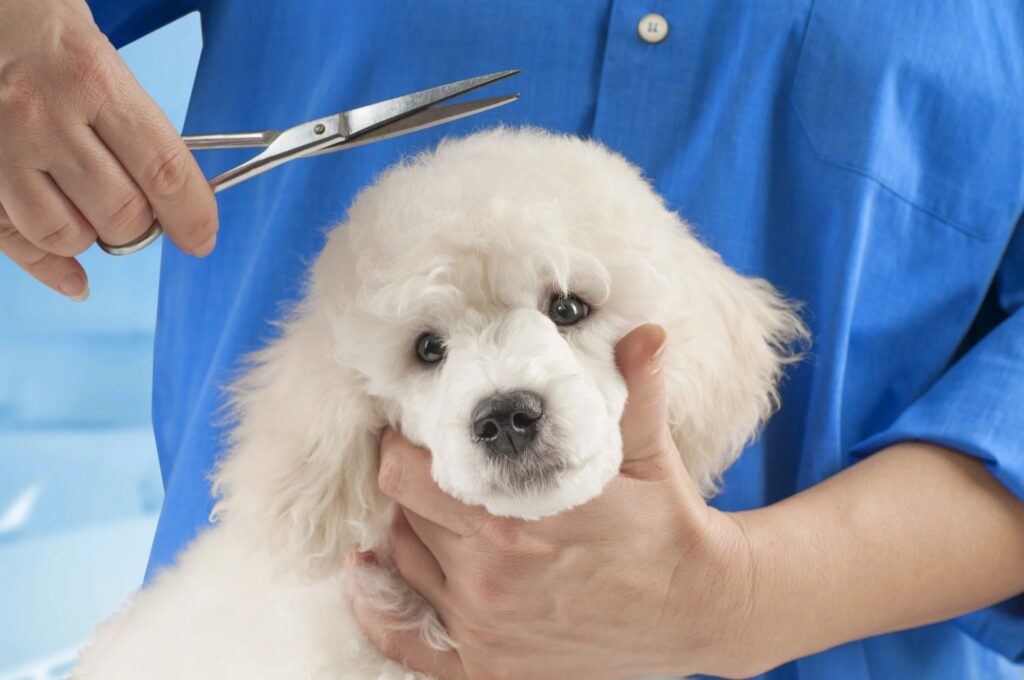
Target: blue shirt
865,156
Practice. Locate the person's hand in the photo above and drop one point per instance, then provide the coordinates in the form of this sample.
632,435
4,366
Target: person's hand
84,152
646,578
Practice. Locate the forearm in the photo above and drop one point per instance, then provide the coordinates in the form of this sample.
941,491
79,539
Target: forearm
913,535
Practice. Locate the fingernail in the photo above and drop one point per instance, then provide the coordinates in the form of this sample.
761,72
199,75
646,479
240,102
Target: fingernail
655,362
207,247
364,559
74,286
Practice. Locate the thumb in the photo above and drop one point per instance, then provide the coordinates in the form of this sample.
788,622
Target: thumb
647,446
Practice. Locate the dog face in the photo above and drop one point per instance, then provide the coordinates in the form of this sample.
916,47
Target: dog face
520,414
494,349
473,299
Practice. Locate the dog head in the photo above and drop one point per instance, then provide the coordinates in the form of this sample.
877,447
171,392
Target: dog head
473,300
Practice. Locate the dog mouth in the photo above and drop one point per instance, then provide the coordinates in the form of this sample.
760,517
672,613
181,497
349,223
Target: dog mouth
534,468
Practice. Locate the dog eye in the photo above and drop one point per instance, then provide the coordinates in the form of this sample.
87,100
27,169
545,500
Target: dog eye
566,310
429,348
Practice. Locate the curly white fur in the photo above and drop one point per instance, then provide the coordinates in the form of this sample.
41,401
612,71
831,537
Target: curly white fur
468,241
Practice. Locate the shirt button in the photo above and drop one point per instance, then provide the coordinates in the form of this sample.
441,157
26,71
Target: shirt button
653,28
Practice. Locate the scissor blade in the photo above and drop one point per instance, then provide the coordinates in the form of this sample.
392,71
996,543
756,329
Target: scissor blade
367,118
313,136
420,121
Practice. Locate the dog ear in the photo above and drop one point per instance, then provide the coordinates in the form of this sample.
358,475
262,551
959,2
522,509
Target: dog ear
302,469
728,342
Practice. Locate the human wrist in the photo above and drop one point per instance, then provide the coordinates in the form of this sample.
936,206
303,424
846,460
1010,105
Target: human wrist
782,618
736,651
752,648
713,630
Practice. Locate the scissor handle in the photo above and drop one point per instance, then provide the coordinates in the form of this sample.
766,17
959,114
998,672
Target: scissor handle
295,142
140,242
230,140
133,246
146,238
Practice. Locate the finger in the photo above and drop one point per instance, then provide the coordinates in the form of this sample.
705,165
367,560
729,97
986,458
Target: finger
646,440
42,213
142,139
404,477
414,560
100,188
63,274
402,645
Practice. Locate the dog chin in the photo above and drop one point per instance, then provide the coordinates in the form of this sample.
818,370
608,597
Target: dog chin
570,487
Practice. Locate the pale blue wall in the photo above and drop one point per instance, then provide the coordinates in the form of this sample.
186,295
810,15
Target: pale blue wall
79,483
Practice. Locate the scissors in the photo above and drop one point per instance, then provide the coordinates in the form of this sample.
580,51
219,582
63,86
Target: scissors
345,130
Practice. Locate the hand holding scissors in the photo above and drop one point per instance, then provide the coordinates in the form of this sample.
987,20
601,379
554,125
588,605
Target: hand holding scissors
345,130
73,171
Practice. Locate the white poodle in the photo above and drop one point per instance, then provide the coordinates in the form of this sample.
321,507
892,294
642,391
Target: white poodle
472,300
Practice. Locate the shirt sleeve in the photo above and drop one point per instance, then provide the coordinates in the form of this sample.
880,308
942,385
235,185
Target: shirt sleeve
124,21
977,408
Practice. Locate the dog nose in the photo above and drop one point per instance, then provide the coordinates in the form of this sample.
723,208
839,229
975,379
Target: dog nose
507,423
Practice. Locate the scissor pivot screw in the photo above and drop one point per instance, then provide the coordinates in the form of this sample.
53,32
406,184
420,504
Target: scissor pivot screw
319,129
